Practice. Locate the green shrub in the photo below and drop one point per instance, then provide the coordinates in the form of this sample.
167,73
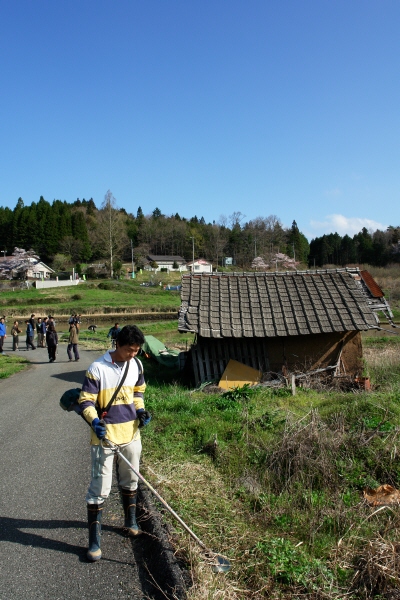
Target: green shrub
221,403
238,393
291,565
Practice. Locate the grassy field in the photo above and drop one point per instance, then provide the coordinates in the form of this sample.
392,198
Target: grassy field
93,298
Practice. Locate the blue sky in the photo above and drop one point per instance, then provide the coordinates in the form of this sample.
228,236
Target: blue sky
205,107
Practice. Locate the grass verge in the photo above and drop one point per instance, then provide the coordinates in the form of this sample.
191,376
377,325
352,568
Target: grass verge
10,364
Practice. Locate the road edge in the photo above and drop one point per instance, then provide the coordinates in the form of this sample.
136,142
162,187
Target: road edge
160,551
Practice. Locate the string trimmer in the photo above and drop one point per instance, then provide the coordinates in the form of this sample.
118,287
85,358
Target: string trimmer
221,564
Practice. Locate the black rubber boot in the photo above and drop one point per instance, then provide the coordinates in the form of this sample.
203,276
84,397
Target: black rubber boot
129,498
94,522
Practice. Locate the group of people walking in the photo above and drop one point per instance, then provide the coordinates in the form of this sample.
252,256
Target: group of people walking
46,336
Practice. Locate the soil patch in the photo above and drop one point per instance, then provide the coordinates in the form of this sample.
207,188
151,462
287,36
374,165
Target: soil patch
155,552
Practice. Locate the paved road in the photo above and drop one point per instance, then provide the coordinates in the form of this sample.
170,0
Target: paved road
44,475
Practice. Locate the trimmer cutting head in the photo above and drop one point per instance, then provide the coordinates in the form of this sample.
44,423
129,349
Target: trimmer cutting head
222,564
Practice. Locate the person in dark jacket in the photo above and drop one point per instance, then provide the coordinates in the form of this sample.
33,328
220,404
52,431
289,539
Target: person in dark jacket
43,327
32,321
29,335
52,341
15,331
39,335
113,333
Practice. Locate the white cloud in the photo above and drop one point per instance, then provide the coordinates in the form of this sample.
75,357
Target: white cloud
342,225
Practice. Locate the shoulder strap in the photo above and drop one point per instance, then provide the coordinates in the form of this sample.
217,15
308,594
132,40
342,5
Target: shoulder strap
139,365
115,394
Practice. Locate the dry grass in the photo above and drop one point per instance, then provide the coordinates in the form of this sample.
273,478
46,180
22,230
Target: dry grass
306,454
88,344
389,280
371,545
375,558
197,492
386,355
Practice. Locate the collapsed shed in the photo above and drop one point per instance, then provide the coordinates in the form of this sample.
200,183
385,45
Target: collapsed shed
274,321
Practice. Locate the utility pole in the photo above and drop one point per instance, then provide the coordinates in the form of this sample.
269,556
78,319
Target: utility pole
192,238
110,235
133,267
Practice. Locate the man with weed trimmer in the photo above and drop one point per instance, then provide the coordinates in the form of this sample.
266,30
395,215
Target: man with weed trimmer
111,401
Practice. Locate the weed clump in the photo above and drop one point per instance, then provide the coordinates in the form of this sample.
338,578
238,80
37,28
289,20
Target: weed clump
305,454
291,565
377,568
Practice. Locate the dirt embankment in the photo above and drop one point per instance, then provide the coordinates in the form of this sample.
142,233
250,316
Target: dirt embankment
99,317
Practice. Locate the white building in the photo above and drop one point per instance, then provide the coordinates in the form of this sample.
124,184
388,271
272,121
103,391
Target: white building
23,265
200,266
166,263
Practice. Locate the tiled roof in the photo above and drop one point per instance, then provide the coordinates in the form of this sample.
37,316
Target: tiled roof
273,304
161,258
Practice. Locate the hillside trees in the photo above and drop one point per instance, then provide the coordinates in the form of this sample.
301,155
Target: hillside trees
215,240
81,232
297,245
110,233
6,216
326,250
266,237
81,237
376,248
163,235
348,251
43,227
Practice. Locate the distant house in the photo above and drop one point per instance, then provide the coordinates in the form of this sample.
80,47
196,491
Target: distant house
23,265
277,321
165,263
97,270
200,266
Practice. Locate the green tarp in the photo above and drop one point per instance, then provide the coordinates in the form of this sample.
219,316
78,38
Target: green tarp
162,354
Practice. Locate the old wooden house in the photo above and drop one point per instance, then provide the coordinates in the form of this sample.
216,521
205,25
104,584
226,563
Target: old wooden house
274,321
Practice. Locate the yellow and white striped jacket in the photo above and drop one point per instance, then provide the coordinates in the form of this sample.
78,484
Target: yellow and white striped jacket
101,380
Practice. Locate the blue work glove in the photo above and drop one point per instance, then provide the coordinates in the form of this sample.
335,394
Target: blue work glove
99,427
144,417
